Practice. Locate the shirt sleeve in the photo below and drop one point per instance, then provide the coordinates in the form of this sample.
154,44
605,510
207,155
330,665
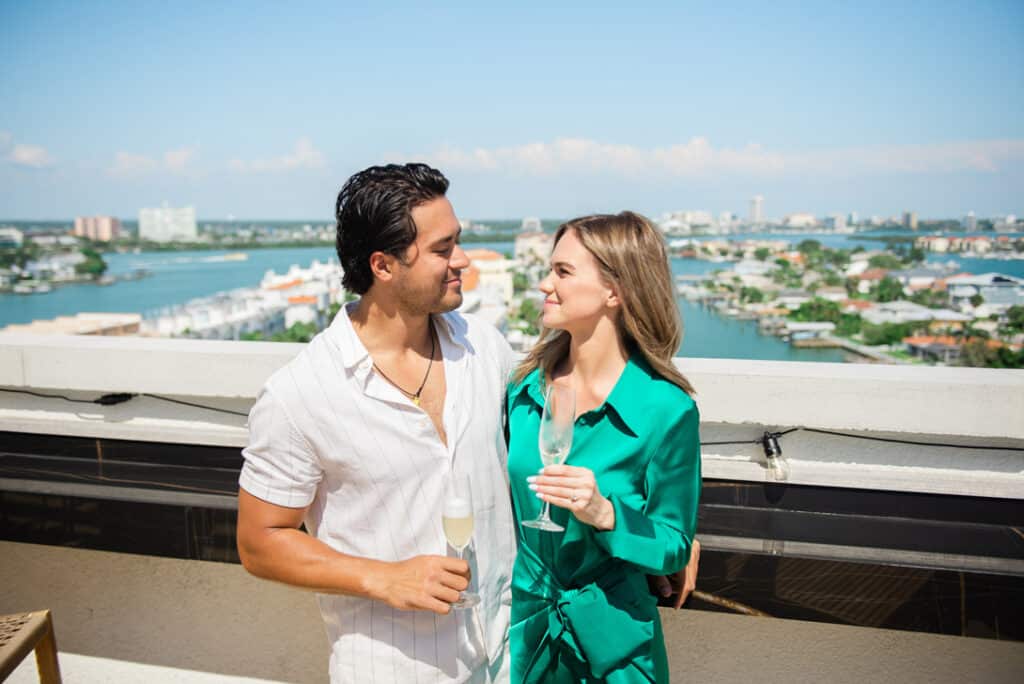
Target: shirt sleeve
658,538
280,467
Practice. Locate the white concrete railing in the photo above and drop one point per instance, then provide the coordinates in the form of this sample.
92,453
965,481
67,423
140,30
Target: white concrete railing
738,400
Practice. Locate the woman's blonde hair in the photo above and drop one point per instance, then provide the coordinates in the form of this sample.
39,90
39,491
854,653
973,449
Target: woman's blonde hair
631,255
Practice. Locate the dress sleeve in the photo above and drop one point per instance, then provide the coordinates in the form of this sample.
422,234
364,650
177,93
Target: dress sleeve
280,466
658,538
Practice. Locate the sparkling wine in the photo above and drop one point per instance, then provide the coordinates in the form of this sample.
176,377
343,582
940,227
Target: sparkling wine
457,520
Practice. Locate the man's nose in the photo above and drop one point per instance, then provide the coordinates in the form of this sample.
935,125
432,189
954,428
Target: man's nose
459,259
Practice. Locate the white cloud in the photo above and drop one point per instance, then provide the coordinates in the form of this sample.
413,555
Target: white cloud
29,155
179,159
303,156
130,165
699,158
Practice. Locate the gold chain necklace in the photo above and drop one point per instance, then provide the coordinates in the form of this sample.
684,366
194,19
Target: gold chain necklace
414,396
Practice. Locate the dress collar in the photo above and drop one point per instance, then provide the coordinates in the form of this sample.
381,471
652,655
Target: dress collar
623,399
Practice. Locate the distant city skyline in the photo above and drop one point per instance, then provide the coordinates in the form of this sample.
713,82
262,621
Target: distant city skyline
262,111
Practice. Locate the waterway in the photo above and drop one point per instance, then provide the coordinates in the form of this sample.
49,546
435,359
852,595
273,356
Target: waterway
177,277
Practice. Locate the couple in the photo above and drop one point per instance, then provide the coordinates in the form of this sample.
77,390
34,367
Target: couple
356,438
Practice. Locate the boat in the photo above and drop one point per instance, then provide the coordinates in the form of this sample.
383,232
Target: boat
32,287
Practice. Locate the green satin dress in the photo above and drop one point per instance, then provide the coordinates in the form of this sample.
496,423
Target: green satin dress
581,609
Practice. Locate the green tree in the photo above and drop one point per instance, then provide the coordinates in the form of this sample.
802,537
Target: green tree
520,283
752,295
916,255
886,261
808,247
933,299
1015,319
762,253
977,300
886,333
530,314
93,266
849,325
816,310
977,353
840,258
888,290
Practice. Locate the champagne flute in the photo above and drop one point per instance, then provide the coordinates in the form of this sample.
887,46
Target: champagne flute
457,521
554,440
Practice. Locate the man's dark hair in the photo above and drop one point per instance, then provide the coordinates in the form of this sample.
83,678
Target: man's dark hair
374,214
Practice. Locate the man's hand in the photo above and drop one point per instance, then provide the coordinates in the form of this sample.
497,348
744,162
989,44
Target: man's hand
420,583
681,583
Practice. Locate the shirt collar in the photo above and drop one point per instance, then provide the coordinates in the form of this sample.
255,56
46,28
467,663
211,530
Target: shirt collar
623,399
353,351
631,386
345,338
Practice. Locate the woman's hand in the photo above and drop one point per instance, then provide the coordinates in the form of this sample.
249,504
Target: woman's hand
575,489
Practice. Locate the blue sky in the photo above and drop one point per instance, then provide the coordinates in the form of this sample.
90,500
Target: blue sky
261,110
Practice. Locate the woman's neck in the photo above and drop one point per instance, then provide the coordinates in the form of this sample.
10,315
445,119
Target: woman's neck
594,364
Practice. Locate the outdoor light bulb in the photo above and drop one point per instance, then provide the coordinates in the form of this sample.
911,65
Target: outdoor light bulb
779,467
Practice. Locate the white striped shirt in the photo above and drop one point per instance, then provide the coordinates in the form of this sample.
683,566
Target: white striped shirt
329,432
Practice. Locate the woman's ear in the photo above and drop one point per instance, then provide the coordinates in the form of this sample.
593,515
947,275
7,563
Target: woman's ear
613,301
382,266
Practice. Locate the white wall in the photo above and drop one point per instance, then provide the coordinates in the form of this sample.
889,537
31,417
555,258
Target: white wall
738,401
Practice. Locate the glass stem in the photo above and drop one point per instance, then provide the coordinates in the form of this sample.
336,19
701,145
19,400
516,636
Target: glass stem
546,515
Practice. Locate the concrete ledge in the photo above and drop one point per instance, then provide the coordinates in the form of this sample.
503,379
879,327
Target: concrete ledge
950,401
738,401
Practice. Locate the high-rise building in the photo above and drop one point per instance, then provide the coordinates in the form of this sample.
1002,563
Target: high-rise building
835,222
852,219
910,220
165,224
969,222
757,209
99,228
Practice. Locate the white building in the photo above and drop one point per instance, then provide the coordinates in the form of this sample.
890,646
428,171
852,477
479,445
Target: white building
494,272
55,267
757,209
165,224
533,247
836,222
11,237
998,291
800,220
969,222
531,224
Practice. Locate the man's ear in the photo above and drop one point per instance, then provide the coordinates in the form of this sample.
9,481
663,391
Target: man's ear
382,266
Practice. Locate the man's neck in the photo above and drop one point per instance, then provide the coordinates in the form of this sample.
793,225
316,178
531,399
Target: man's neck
386,330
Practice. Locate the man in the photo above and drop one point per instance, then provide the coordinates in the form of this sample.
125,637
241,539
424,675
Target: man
356,436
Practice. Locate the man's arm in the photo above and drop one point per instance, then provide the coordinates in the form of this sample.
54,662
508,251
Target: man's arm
271,546
681,583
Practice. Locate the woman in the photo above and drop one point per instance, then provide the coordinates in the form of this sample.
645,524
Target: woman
627,494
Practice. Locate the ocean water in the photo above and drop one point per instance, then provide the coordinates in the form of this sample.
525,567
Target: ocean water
180,276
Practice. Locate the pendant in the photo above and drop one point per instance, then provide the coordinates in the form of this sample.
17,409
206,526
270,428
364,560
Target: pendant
416,400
